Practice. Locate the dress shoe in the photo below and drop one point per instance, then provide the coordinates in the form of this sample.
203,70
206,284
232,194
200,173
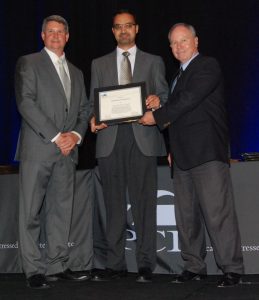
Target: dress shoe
108,275
230,280
68,275
188,276
37,281
86,273
144,275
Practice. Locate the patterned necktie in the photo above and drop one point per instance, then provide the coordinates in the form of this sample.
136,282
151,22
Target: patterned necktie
65,80
180,72
125,74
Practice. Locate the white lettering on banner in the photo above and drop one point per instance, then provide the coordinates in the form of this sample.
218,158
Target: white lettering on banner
161,193
250,248
166,234
165,213
128,209
175,241
9,245
69,244
163,235
165,217
174,234
132,238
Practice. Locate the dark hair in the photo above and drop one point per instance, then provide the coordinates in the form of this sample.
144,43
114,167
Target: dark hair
57,19
124,11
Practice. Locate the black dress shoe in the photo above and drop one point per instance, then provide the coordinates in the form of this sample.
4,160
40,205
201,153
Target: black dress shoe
188,276
86,273
144,275
108,275
229,280
68,275
37,281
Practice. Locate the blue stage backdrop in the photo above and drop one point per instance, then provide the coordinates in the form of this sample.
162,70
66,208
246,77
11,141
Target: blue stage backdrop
227,30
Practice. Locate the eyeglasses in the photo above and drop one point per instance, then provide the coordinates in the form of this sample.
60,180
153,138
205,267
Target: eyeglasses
123,26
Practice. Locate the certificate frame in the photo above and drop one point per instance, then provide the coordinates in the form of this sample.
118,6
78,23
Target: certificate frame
120,103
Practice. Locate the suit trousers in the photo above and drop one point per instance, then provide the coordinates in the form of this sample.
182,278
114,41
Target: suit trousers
46,200
127,169
204,198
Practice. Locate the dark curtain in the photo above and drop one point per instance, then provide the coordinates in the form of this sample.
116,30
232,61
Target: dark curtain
226,29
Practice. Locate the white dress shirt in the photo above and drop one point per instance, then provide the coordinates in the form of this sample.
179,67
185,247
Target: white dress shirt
54,58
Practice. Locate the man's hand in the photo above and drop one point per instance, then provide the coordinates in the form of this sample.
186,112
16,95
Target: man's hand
169,158
94,127
66,142
152,102
147,119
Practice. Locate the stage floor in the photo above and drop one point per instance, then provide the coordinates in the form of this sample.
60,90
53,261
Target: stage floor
13,287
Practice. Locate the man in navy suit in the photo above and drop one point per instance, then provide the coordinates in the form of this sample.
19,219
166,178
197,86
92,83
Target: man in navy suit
127,153
196,116
51,99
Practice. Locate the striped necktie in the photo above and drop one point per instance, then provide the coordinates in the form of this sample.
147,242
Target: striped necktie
125,71
179,74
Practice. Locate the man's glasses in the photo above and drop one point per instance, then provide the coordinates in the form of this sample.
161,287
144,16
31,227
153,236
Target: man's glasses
123,26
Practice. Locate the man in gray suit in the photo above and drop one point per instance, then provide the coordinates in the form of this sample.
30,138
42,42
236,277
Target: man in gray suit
127,153
51,99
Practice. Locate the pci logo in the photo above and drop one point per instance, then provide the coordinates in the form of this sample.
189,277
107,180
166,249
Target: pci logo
165,212
167,235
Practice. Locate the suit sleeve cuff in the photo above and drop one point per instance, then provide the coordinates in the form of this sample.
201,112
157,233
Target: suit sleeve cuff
55,137
161,118
79,135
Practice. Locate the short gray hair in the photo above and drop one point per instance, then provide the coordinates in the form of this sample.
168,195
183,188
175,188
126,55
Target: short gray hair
188,26
57,19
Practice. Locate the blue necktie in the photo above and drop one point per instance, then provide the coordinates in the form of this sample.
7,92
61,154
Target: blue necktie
176,79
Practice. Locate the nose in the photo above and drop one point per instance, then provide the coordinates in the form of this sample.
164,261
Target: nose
55,34
178,45
123,29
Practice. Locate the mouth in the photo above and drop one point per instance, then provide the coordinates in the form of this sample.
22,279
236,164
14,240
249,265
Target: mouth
124,35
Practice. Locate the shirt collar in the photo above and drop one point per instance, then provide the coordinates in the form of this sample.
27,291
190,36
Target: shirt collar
185,65
53,56
131,50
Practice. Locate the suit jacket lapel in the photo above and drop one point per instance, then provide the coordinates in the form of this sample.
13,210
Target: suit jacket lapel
53,73
137,67
112,68
172,81
72,79
184,72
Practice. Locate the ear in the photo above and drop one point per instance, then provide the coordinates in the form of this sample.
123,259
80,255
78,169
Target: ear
43,35
137,28
196,42
67,36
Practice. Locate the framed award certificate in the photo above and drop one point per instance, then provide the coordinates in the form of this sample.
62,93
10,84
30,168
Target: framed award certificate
121,103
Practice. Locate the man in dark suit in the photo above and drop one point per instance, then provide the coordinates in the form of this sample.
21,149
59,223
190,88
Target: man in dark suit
127,153
198,132
54,114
